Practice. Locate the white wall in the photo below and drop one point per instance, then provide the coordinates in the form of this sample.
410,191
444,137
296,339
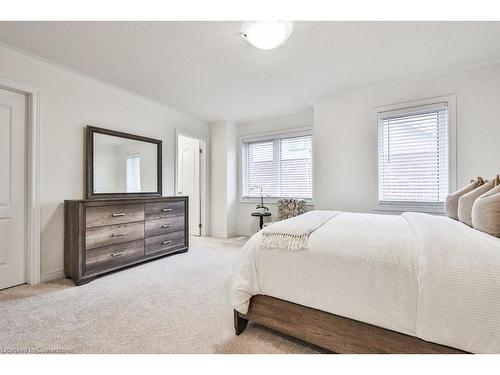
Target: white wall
223,189
248,225
232,180
344,145
70,101
106,169
147,164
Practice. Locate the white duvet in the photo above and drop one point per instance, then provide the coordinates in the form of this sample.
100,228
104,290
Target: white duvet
422,275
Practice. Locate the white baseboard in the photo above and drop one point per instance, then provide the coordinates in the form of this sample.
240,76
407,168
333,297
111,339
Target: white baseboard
225,236
52,276
233,234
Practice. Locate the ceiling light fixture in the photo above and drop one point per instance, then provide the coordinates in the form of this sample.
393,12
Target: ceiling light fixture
266,34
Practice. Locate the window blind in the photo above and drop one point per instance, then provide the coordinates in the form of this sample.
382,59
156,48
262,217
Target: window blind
281,167
413,156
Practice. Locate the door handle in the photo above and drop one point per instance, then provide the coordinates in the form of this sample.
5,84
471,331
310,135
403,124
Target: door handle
166,209
165,226
118,214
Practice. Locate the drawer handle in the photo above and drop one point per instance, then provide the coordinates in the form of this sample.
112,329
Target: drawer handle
118,254
166,209
118,214
117,234
165,226
166,242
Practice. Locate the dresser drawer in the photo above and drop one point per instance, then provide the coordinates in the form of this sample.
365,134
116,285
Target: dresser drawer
118,214
164,209
164,226
114,255
171,241
112,234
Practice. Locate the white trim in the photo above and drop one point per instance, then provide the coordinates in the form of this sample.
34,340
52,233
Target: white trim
203,173
288,133
272,201
451,102
412,110
52,276
33,176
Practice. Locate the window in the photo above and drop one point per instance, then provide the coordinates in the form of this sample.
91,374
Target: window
413,163
133,173
279,166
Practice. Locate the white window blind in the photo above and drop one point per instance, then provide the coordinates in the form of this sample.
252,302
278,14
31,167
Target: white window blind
413,156
280,166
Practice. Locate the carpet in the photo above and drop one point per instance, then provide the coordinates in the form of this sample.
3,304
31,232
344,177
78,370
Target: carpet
176,304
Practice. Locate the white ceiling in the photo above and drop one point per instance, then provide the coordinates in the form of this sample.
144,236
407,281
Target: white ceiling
208,70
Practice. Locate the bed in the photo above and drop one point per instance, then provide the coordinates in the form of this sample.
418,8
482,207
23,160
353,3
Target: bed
369,283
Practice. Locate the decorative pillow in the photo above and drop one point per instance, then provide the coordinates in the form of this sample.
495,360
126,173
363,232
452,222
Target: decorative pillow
288,208
451,204
486,212
466,201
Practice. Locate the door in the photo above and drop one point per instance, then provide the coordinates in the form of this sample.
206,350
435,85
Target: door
188,178
12,188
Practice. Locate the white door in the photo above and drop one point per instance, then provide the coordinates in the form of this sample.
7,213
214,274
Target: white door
12,188
188,178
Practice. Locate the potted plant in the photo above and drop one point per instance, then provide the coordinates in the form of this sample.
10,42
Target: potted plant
262,195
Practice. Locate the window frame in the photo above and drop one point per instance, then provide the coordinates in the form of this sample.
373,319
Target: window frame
268,136
429,207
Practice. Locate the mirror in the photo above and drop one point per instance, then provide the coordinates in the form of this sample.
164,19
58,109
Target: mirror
122,165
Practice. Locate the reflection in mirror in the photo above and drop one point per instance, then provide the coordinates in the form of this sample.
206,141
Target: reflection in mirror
123,165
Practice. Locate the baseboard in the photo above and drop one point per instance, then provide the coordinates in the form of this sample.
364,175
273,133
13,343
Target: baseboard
233,234
245,233
224,236
52,276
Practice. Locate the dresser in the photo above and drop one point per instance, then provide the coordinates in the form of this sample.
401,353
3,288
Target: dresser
103,235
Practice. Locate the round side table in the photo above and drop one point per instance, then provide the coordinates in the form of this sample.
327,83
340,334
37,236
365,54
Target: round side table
261,215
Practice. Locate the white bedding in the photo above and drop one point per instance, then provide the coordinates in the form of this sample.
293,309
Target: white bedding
426,276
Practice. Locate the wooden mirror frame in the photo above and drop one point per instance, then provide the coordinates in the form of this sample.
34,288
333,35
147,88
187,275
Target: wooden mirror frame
89,165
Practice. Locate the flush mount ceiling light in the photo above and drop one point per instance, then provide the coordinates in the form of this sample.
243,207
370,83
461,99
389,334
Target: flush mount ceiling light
266,34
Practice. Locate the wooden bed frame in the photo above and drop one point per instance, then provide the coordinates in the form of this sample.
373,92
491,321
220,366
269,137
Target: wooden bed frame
331,332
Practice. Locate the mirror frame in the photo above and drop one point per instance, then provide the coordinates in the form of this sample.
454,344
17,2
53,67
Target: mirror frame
89,165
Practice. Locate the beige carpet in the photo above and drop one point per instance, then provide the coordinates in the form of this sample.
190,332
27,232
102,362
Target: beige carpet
176,304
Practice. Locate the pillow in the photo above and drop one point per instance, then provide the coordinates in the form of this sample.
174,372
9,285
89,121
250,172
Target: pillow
451,204
466,201
486,212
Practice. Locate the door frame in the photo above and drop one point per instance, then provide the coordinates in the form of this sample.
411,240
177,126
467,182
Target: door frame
203,172
32,197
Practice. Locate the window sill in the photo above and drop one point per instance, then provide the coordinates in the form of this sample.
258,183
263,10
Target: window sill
269,201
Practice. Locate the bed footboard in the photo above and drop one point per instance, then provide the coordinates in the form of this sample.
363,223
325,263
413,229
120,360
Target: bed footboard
331,332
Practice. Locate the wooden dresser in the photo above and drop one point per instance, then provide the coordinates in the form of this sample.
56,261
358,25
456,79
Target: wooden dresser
108,234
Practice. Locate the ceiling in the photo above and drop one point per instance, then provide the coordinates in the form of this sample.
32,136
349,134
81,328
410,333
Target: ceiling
208,70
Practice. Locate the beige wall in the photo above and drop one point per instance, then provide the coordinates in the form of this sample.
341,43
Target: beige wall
70,101
345,148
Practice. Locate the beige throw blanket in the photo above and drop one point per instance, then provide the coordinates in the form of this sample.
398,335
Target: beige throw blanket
292,234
